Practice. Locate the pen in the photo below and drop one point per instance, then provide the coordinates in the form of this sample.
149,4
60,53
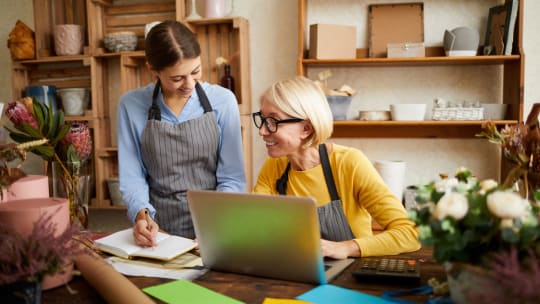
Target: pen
147,217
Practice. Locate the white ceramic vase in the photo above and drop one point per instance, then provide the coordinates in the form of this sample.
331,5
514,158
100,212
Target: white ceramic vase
216,8
74,100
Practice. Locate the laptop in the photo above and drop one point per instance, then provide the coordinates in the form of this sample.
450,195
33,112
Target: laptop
261,235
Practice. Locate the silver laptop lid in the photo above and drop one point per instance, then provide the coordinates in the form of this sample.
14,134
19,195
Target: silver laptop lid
261,235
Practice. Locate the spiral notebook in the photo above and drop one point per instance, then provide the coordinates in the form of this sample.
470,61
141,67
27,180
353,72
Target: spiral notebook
261,235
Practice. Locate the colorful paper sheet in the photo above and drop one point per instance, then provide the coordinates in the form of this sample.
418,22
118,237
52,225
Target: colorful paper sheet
283,301
184,291
331,294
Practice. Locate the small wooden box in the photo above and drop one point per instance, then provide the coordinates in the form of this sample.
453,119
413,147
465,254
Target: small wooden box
397,50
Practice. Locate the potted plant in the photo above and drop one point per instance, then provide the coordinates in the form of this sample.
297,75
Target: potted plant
487,236
26,259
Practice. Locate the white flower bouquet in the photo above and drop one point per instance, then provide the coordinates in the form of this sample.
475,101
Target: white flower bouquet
467,220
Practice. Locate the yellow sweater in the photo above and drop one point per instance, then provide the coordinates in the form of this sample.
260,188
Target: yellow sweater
363,193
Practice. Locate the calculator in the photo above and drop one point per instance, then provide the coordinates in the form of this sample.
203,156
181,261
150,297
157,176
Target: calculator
387,270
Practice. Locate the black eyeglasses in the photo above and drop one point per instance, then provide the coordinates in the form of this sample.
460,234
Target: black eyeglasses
270,122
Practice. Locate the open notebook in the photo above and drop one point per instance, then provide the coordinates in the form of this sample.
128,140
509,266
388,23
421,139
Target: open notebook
261,235
122,244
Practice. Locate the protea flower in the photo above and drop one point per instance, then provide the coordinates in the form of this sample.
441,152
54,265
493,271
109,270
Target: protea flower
18,113
79,137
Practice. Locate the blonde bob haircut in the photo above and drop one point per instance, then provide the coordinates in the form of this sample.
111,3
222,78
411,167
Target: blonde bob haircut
302,98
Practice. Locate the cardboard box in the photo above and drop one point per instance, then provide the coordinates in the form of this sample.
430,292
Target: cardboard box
399,50
330,41
394,23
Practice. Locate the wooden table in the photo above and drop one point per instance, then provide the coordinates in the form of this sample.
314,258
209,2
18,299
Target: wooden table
251,289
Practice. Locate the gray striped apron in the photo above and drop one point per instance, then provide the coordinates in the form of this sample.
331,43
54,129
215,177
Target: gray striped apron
177,158
332,221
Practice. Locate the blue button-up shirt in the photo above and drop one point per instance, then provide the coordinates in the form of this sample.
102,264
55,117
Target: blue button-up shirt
132,119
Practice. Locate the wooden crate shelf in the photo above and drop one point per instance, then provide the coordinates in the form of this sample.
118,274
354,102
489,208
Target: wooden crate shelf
109,75
115,16
49,13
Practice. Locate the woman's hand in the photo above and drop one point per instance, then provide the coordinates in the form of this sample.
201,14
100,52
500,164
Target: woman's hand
340,250
145,230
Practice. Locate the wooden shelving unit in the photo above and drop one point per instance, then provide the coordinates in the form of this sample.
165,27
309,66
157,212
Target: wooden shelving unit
109,75
512,92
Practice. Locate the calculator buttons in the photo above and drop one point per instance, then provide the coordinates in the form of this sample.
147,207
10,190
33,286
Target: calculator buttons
388,269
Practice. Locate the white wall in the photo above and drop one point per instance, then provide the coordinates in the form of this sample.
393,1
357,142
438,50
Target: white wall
273,41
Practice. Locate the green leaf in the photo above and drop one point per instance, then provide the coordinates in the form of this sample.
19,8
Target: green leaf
72,156
46,152
20,137
537,195
61,134
38,114
51,122
31,131
509,235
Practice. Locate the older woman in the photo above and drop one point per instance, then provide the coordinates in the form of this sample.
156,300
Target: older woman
295,121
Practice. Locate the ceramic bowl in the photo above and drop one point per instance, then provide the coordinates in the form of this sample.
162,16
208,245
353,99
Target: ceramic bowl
374,115
408,111
120,41
339,105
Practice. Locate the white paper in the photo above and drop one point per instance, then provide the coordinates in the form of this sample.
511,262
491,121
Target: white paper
132,269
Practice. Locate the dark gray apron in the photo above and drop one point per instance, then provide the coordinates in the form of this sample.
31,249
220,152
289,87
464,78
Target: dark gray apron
332,221
177,158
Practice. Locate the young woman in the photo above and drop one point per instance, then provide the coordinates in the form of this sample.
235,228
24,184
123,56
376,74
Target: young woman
294,121
175,135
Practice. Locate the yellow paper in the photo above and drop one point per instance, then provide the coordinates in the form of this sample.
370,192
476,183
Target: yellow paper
283,301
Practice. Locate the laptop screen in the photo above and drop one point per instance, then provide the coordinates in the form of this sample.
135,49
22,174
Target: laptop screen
261,235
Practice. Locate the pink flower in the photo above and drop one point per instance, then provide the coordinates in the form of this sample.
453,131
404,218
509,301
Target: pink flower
79,137
19,113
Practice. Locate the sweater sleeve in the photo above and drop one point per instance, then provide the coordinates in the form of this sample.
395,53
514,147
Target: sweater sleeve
366,195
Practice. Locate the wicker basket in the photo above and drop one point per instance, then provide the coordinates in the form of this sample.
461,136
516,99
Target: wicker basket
458,114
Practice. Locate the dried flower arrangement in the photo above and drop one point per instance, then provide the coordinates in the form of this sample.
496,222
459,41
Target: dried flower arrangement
69,144
520,144
42,252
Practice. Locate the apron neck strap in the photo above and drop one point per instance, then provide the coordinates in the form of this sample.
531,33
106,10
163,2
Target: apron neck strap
155,112
281,183
328,176
203,98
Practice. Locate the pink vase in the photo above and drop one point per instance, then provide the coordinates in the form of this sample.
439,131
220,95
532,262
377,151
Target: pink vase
21,215
68,39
